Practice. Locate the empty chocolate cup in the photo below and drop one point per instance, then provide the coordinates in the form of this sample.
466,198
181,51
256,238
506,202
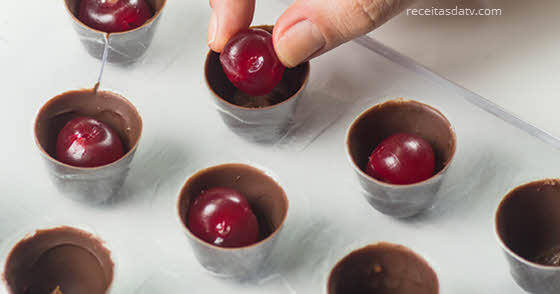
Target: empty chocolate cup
400,116
263,119
95,184
124,47
65,257
269,203
528,230
383,268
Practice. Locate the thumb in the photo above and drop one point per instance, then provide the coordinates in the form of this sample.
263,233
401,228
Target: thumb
311,27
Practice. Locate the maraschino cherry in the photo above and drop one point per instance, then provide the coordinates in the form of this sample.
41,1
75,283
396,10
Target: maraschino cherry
112,16
223,217
87,142
250,62
402,159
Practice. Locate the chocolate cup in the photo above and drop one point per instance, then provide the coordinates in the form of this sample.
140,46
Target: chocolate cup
528,229
383,268
263,119
125,47
96,184
400,116
269,203
73,259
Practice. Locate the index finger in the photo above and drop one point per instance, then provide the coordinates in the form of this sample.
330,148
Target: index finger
228,18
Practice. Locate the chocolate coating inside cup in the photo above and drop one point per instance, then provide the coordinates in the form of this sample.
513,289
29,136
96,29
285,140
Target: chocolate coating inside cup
74,6
292,81
105,106
528,221
401,116
72,259
267,199
383,269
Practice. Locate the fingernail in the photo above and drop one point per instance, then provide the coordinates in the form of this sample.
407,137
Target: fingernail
212,28
299,42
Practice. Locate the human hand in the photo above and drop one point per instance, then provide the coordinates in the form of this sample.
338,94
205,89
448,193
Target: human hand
308,28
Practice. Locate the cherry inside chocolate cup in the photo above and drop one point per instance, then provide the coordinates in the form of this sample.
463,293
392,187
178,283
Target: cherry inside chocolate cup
95,184
528,230
64,257
383,268
125,47
268,202
389,118
262,119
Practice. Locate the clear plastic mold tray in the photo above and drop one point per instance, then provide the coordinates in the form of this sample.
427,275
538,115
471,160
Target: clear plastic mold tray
183,133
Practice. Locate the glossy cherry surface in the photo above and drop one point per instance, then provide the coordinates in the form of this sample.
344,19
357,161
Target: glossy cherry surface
402,159
87,142
112,16
223,217
250,62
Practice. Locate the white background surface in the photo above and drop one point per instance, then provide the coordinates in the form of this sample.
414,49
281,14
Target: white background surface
41,57
511,59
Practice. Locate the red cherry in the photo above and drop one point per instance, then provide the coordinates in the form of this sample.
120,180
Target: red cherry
223,217
113,16
402,159
250,62
87,142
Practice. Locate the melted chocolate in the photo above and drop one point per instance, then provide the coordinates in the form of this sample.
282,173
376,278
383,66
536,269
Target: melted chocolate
64,257
383,269
243,99
549,257
528,221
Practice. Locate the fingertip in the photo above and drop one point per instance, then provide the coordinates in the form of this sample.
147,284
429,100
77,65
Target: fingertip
296,36
228,18
217,46
213,31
